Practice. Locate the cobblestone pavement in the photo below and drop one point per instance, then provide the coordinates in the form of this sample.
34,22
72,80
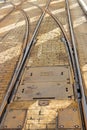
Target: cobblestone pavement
49,49
11,42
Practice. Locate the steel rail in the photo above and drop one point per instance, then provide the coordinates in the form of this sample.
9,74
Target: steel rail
25,41
19,69
27,30
83,5
23,49
26,38
66,40
70,54
80,83
69,49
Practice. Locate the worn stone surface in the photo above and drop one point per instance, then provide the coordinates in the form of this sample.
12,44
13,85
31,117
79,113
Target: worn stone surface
11,42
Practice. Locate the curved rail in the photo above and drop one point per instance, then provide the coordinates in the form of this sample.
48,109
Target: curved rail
5,101
26,37
26,52
20,67
72,57
70,53
78,73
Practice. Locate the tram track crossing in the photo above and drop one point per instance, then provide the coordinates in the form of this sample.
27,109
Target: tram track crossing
71,55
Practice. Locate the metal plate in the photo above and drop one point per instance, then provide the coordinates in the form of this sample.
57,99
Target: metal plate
46,83
69,118
60,73
45,90
58,115
14,119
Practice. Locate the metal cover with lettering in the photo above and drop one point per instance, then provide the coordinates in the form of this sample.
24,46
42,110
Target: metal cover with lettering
46,83
47,74
45,90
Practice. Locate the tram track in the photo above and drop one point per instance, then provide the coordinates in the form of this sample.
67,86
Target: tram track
74,62
19,68
25,41
77,68
26,38
70,53
73,59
